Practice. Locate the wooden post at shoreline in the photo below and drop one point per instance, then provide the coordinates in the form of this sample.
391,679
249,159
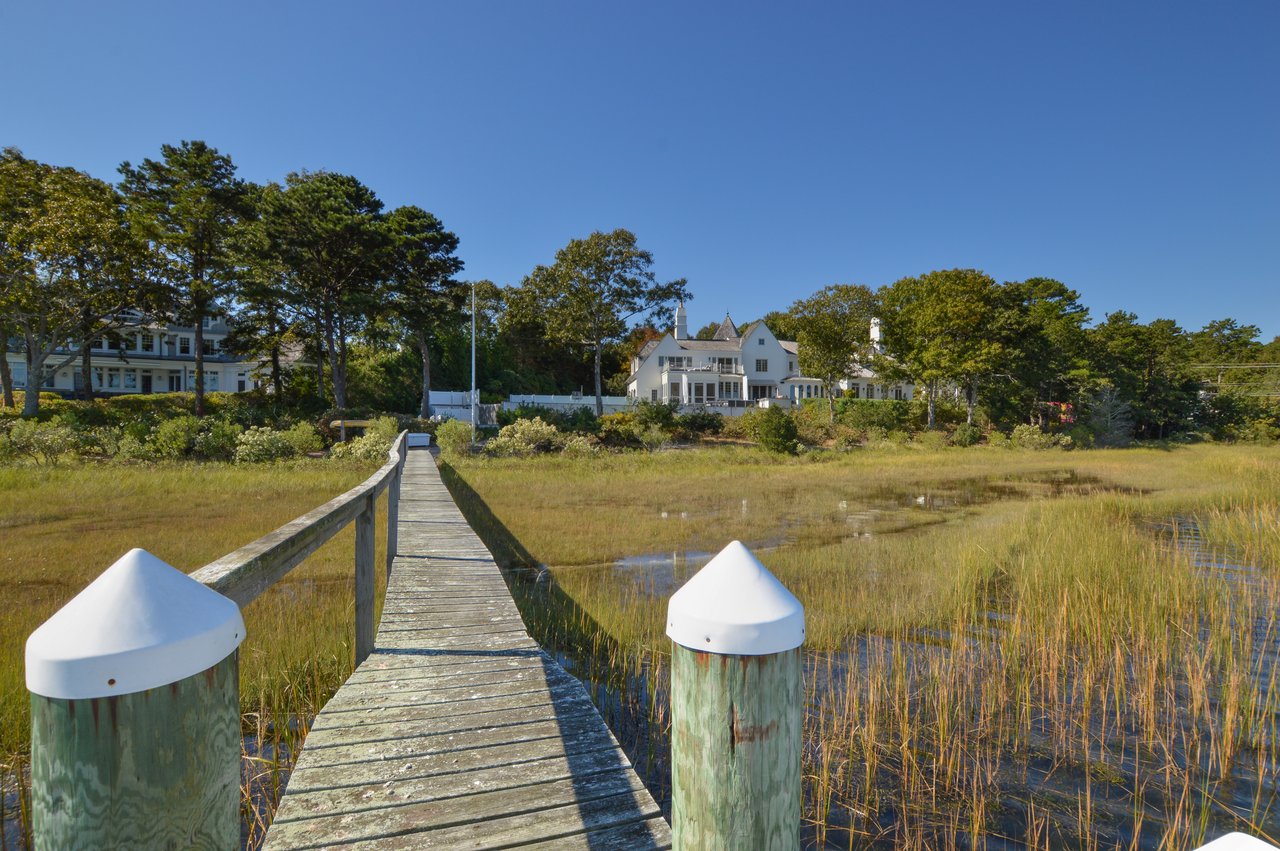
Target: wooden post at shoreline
736,708
135,714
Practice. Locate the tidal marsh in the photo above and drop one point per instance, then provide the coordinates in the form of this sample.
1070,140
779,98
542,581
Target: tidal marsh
62,526
1051,664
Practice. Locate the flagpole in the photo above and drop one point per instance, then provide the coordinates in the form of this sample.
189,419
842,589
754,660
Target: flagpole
473,361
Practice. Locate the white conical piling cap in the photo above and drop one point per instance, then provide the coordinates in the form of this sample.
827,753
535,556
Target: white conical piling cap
1237,842
139,625
735,606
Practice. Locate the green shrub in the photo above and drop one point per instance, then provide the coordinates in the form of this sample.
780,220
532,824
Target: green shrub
773,429
653,438
580,446
174,438
304,438
1027,436
526,437
966,435
454,437
697,423
846,438
218,441
130,448
660,414
373,445
736,426
863,414
259,444
581,420
619,430
42,442
813,422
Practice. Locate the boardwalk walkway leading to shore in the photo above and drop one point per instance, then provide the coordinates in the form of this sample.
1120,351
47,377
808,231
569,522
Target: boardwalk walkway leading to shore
458,731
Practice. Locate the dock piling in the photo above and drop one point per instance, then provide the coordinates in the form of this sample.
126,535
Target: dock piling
135,714
736,705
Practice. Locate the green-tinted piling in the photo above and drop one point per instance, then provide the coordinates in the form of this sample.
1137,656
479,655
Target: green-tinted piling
736,704
135,714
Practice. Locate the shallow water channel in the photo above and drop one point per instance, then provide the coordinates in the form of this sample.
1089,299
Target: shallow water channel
1038,798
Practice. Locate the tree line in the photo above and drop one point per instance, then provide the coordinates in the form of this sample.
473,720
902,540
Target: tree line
1026,352
370,297
311,264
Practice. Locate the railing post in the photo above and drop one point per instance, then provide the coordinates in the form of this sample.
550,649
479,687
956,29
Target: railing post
364,579
135,714
393,500
736,705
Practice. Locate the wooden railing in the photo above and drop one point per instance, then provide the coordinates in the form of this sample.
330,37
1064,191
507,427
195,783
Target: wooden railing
157,654
249,571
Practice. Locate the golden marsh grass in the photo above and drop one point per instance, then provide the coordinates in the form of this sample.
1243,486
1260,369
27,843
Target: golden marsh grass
1049,664
62,526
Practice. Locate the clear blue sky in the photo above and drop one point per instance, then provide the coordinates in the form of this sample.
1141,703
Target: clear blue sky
760,150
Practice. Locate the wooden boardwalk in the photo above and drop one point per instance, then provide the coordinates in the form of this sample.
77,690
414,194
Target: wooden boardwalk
458,731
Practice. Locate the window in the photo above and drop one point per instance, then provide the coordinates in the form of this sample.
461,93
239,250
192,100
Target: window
184,345
210,347
791,366
207,321
653,395
762,364
103,344
760,342
211,381
113,379
130,379
854,390
675,391
175,381
148,343
897,391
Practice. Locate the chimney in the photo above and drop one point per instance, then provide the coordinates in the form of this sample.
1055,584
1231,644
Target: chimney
876,345
682,323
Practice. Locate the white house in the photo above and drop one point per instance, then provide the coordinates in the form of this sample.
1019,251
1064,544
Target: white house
864,384
736,370
147,357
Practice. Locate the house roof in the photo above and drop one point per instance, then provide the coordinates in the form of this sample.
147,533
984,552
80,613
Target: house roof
727,330
790,345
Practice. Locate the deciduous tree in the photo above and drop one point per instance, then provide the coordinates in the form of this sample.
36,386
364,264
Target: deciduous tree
66,262
835,333
938,329
594,288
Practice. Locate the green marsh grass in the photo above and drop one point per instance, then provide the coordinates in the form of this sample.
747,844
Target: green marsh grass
1040,664
62,526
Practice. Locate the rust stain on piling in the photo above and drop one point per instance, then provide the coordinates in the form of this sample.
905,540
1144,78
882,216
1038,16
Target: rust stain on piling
93,707
113,704
701,658
740,732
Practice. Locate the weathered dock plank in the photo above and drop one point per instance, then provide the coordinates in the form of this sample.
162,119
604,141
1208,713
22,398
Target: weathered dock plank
458,731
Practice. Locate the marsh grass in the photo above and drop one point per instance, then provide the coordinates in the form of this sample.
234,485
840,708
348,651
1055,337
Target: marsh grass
1039,667
62,526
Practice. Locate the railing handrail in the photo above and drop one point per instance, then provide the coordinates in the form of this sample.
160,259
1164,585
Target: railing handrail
244,574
